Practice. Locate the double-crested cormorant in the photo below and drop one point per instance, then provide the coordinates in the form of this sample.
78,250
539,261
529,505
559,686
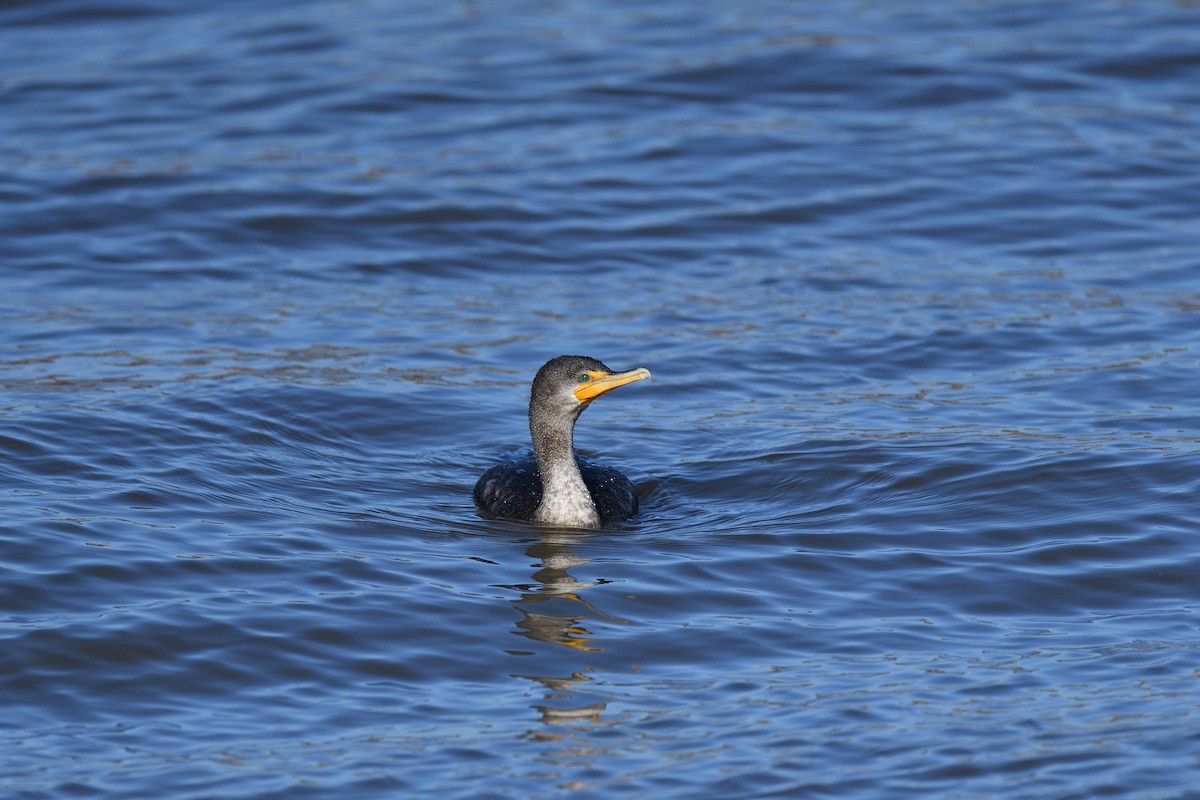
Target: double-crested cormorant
556,486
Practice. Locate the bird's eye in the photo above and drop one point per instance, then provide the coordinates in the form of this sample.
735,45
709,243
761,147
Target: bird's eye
584,378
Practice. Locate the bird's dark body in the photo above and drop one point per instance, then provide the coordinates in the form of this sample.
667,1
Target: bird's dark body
513,490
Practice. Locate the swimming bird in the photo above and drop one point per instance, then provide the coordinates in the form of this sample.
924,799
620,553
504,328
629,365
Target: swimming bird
556,486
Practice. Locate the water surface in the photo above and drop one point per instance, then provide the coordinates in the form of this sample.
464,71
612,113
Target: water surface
918,466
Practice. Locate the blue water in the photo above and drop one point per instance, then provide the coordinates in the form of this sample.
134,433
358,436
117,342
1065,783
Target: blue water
919,466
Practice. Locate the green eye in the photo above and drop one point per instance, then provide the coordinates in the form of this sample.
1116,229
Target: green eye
584,378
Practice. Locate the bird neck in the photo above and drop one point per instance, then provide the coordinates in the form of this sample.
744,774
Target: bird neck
566,500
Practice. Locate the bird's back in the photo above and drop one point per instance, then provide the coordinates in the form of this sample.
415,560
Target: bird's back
511,489
611,491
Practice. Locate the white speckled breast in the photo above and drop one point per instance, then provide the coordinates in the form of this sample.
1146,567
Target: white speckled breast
566,502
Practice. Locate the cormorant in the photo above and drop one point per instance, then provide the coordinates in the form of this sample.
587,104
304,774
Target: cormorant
556,486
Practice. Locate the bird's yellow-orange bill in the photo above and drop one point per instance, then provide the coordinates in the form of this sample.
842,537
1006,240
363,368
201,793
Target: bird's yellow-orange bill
602,382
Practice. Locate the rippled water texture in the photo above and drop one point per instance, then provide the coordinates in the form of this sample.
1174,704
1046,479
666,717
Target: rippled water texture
919,466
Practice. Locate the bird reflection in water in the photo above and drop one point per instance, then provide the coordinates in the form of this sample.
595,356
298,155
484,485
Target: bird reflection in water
560,620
